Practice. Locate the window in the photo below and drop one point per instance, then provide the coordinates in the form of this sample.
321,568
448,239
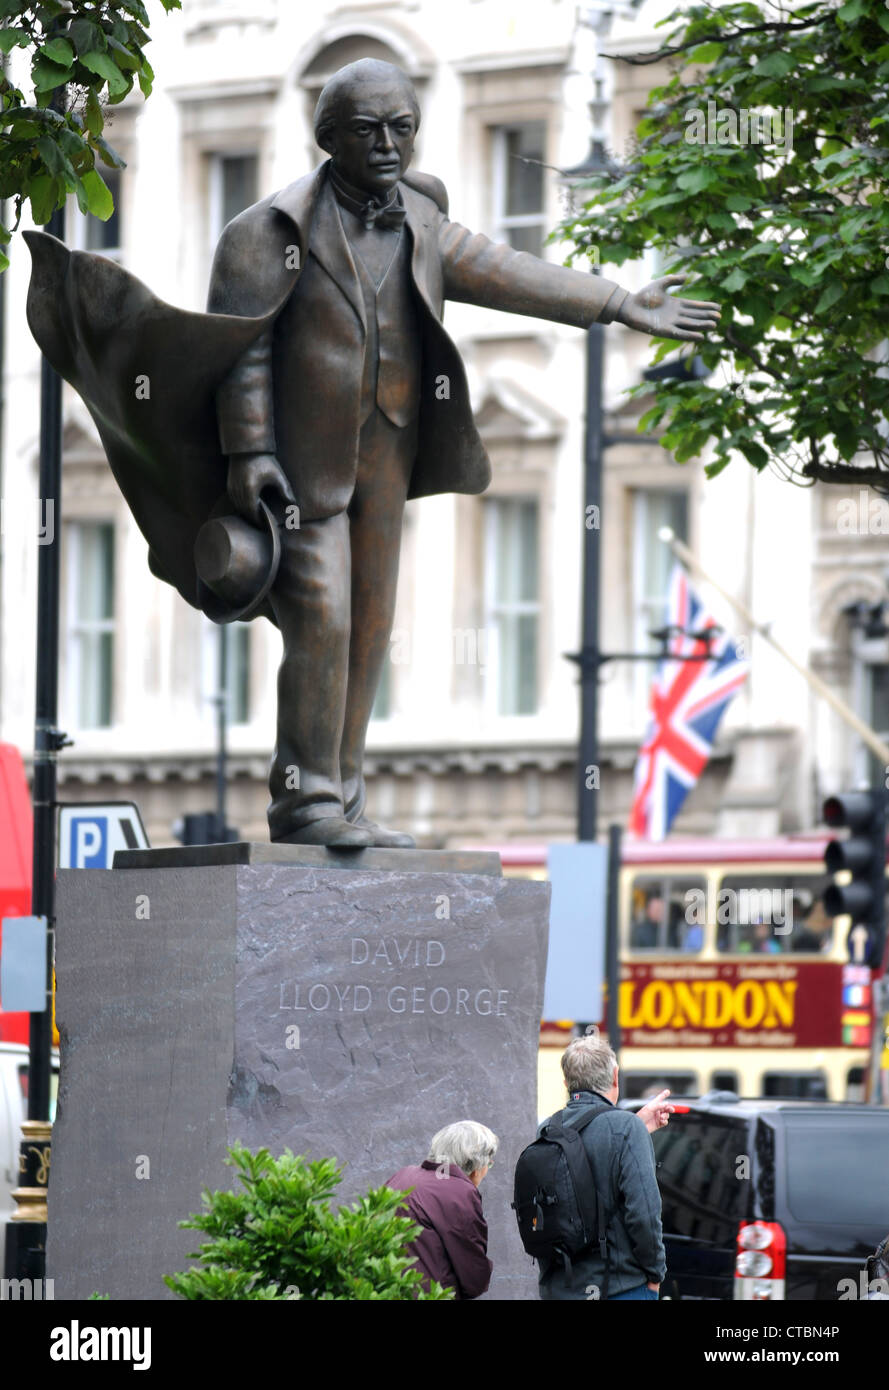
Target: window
644,1085
512,577
237,672
724,1081
856,1084
795,1085
229,644
653,560
697,1163
519,194
90,645
838,1173
754,911
665,913
234,186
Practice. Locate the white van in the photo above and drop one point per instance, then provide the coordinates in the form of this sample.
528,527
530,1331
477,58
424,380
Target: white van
13,1109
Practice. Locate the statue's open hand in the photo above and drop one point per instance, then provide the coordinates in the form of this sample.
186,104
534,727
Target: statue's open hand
653,310
249,475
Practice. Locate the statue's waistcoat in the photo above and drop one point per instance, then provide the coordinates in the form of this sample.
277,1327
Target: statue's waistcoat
391,374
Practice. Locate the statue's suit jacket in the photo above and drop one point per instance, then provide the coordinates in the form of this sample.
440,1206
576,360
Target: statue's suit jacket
174,393
296,392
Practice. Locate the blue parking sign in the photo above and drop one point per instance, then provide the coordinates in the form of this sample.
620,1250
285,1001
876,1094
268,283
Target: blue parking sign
88,846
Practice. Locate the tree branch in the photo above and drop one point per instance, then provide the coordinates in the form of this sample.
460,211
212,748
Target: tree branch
645,59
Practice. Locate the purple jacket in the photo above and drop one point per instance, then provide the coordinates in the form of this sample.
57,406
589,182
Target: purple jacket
453,1244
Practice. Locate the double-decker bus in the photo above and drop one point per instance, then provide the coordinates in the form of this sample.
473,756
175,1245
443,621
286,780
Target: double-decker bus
732,977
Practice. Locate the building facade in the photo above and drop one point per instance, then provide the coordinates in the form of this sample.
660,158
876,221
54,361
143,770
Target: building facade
475,730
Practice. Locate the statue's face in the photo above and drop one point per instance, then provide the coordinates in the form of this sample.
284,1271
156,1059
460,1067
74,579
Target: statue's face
374,138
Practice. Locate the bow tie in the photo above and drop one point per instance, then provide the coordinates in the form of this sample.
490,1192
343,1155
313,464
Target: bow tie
369,211
391,215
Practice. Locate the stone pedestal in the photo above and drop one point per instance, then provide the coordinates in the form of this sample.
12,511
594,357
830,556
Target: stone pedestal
331,1004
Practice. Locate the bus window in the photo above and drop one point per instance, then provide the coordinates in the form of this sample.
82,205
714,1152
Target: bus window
795,1085
724,1081
855,1083
771,914
643,1085
664,914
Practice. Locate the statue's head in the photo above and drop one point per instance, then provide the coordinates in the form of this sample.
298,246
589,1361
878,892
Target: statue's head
366,119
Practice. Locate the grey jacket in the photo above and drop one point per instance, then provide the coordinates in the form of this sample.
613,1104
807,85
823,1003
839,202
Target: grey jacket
622,1157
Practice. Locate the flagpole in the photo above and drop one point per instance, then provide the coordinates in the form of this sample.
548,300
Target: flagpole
864,731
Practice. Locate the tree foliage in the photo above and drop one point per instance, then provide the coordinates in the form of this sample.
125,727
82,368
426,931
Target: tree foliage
279,1240
792,242
84,55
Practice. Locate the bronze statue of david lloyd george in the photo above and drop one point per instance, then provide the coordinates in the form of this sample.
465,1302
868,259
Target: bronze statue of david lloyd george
282,432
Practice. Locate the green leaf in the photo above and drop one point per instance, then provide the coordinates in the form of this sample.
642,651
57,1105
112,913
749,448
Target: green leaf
122,55
846,436
696,180
43,192
754,453
13,38
829,296
775,65
86,36
98,195
137,10
104,66
51,154
146,77
735,280
47,75
880,285
93,114
848,13
58,51
706,53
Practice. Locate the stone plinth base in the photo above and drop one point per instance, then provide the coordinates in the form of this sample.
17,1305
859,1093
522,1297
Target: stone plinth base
287,1005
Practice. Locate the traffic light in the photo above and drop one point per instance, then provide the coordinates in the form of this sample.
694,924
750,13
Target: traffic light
863,855
202,828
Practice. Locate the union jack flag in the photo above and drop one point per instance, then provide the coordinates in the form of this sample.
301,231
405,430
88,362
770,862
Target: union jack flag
688,699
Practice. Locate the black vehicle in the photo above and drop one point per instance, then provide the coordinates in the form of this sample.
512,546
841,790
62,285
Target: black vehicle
772,1199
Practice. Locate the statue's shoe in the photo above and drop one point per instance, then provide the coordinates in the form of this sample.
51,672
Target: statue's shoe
334,831
386,839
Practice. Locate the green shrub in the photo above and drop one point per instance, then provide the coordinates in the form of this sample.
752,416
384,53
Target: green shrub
279,1240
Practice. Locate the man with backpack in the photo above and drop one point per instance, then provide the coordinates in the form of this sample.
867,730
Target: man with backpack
586,1195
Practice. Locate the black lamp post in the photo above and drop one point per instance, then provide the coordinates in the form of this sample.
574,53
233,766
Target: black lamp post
26,1231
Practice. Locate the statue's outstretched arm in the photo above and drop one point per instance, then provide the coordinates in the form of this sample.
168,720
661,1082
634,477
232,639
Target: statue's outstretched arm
480,271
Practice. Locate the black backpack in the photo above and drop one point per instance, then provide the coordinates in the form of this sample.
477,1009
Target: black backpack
557,1204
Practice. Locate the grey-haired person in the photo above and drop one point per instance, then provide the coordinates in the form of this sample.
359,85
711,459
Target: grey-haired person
621,1156
445,1202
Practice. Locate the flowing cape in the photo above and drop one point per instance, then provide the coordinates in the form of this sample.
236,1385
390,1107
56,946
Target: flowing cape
148,374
